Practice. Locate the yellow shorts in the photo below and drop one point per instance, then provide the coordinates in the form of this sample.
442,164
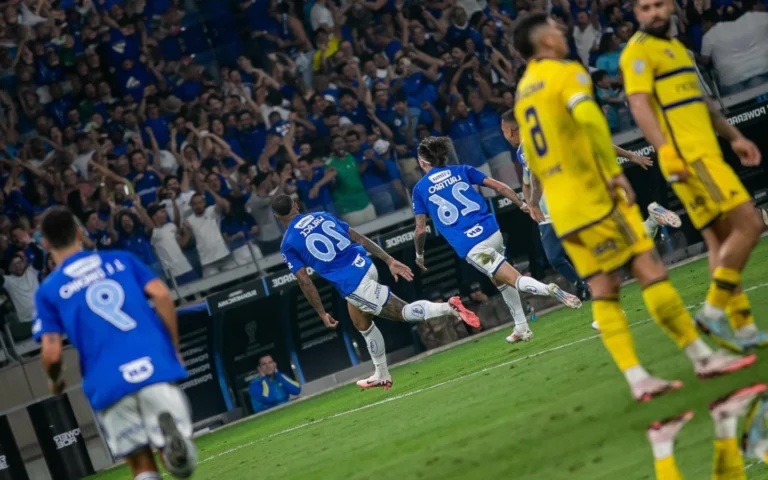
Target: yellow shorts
712,189
609,243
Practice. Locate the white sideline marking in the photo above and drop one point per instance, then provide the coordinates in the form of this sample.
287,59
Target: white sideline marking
439,384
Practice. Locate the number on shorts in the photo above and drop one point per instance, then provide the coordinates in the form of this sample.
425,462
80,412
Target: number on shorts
330,251
105,298
446,211
539,142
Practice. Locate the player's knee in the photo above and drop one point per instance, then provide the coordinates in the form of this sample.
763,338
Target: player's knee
604,285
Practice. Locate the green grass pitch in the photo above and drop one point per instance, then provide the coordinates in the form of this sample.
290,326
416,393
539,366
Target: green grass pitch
554,408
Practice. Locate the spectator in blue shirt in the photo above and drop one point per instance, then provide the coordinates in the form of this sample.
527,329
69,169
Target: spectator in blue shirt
314,186
610,50
145,181
271,388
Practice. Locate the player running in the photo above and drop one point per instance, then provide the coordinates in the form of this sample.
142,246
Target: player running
337,253
461,215
128,350
568,147
677,119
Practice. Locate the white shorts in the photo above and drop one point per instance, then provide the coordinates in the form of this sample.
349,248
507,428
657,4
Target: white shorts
131,423
370,296
488,255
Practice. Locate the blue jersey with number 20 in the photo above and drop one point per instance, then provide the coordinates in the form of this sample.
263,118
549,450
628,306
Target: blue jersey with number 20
97,299
321,242
460,213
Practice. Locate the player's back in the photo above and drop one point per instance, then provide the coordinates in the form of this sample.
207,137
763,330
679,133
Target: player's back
459,212
557,149
664,70
97,299
321,242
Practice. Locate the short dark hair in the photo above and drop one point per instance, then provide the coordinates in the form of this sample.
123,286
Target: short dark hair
523,40
509,116
434,150
598,76
282,205
59,227
168,179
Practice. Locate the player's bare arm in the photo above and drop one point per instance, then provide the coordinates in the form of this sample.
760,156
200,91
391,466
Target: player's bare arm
670,162
746,150
165,308
398,269
536,192
419,239
51,357
644,162
505,191
313,297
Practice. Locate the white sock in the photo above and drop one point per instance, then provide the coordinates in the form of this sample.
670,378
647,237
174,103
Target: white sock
512,299
747,331
651,226
726,427
375,343
712,311
698,350
761,450
147,476
531,285
187,469
635,374
422,310
663,450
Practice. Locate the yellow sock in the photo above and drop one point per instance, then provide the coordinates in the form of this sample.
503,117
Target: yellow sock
666,469
728,464
667,310
614,331
739,311
724,282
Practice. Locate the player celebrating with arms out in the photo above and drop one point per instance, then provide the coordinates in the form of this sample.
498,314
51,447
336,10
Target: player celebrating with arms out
461,215
337,253
128,350
677,119
568,147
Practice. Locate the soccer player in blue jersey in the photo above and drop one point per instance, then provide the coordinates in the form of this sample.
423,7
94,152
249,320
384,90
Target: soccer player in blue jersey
462,216
129,354
325,244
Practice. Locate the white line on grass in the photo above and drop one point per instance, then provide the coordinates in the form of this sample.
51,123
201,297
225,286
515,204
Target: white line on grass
425,389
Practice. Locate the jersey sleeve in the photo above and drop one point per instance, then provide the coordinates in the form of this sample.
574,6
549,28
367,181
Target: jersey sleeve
47,317
418,203
475,176
291,259
576,86
635,67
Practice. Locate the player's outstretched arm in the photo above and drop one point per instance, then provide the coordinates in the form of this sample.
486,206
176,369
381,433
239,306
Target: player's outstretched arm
504,190
534,197
419,239
644,162
161,296
313,297
747,151
51,357
398,269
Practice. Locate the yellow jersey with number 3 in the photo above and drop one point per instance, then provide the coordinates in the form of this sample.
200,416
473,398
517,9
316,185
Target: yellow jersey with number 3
556,148
664,70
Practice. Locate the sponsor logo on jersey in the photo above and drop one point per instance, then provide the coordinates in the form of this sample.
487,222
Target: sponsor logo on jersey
82,266
304,221
475,231
359,262
138,370
66,439
444,183
439,176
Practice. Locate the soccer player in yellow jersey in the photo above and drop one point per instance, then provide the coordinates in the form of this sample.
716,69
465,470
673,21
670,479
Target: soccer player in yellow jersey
677,119
567,145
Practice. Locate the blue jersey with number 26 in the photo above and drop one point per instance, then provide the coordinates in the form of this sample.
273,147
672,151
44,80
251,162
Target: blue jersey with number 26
97,299
321,242
458,210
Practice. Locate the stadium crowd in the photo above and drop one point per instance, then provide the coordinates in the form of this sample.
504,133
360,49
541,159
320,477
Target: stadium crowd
168,125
